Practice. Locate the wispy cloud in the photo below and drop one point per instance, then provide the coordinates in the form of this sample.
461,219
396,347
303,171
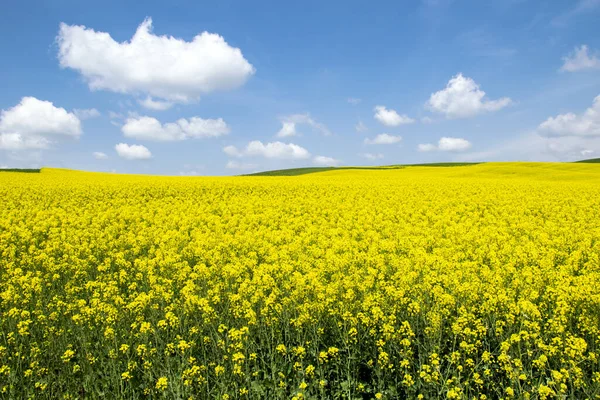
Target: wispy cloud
580,7
361,127
479,42
290,123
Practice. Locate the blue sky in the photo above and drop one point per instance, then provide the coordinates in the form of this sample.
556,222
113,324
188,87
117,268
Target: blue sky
283,84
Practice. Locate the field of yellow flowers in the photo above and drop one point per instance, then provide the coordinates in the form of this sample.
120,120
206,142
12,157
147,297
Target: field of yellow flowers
478,282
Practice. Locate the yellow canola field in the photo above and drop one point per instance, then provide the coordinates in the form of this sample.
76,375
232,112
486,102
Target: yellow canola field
476,282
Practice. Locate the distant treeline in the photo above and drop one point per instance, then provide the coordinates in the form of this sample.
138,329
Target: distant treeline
26,170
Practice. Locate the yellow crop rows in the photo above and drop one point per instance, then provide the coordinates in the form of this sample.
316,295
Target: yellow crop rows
465,282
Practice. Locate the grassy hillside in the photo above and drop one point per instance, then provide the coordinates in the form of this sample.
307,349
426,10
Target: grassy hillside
590,161
310,170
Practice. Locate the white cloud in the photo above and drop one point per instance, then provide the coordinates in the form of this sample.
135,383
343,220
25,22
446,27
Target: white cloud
569,148
446,144
427,120
361,127
160,66
384,138
86,113
27,125
580,59
354,101
570,124
155,105
462,98
276,150
427,147
133,152
241,166
372,156
38,117
326,161
98,155
453,144
391,117
270,150
16,141
534,147
232,151
290,122
287,129
149,128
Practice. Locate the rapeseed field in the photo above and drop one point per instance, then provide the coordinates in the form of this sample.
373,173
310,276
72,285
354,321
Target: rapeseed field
474,282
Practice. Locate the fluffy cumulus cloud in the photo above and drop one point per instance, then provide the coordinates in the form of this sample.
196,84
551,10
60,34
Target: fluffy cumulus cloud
326,161
275,150
149,128
390,117
133,152
15,141
580,59
462,98
287,129
165,67
98,155
290,123
446,144
586,124
453,144
384,138
33,124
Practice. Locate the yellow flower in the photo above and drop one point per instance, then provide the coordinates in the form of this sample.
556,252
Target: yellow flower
310,370
68,355
281,348
162,383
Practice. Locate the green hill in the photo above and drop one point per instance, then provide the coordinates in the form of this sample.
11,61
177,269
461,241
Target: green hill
310,170
590,161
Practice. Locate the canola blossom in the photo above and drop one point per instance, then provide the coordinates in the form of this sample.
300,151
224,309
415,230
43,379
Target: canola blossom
474,282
